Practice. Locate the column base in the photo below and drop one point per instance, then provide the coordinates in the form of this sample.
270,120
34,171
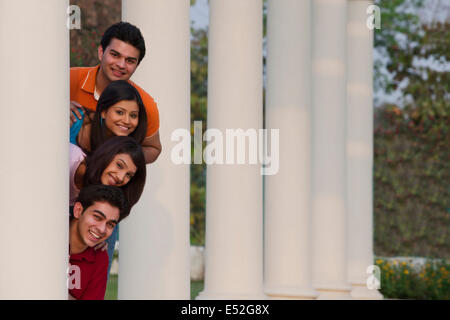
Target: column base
230,296
290,293
339,292
361,292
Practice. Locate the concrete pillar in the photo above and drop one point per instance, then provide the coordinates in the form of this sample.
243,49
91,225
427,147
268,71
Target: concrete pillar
329,156
359,149
34,184
234,230
154,259
287,272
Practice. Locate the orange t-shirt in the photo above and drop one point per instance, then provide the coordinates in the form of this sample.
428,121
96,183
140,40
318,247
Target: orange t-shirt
82,86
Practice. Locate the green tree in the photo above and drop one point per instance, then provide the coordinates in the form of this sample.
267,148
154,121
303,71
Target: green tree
411,191
199,71
398,21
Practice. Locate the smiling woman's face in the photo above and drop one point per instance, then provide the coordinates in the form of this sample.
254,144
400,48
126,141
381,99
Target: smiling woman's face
120,171
122,118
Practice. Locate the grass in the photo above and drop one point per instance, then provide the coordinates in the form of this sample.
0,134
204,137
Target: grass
111,289
196,288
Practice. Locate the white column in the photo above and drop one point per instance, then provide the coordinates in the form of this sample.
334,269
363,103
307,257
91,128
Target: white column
329,157
360,149
287,267
154,258
234,251
34,184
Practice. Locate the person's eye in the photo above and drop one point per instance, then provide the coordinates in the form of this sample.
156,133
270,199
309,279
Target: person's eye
131,61
97,217
113,54
119,112
134,115
129,175
119,165
111,225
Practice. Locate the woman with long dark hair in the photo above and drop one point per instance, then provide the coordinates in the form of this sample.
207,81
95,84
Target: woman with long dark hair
120,162
120,112
93,168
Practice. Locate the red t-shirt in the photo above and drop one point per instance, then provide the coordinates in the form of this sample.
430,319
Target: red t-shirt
92,271
82,87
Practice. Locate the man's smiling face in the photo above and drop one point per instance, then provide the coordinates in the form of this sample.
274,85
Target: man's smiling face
96,223
118,61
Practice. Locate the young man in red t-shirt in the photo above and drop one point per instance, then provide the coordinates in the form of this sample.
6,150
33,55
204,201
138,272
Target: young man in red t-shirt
98,210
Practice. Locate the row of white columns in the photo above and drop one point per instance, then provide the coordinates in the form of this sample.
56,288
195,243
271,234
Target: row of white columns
318,207
317,239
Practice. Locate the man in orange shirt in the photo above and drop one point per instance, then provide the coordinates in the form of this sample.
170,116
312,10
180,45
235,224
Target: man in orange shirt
122,49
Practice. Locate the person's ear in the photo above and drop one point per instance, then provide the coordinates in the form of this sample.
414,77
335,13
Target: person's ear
100,52
77,210
103,114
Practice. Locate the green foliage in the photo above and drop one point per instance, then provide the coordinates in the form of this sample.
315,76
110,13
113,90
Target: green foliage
397,22
411,190
402,280
428,87
196,288
199,71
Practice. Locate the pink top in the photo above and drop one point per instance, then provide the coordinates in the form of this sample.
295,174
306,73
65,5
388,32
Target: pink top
76,156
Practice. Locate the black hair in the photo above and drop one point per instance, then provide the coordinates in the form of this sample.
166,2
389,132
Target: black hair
125,32
102,193
99,160
115,92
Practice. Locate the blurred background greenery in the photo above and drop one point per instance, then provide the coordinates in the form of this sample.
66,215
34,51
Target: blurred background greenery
411,124
411,137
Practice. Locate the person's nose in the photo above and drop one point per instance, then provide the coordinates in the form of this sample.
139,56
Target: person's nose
126,118
102,228
121,176
121,63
